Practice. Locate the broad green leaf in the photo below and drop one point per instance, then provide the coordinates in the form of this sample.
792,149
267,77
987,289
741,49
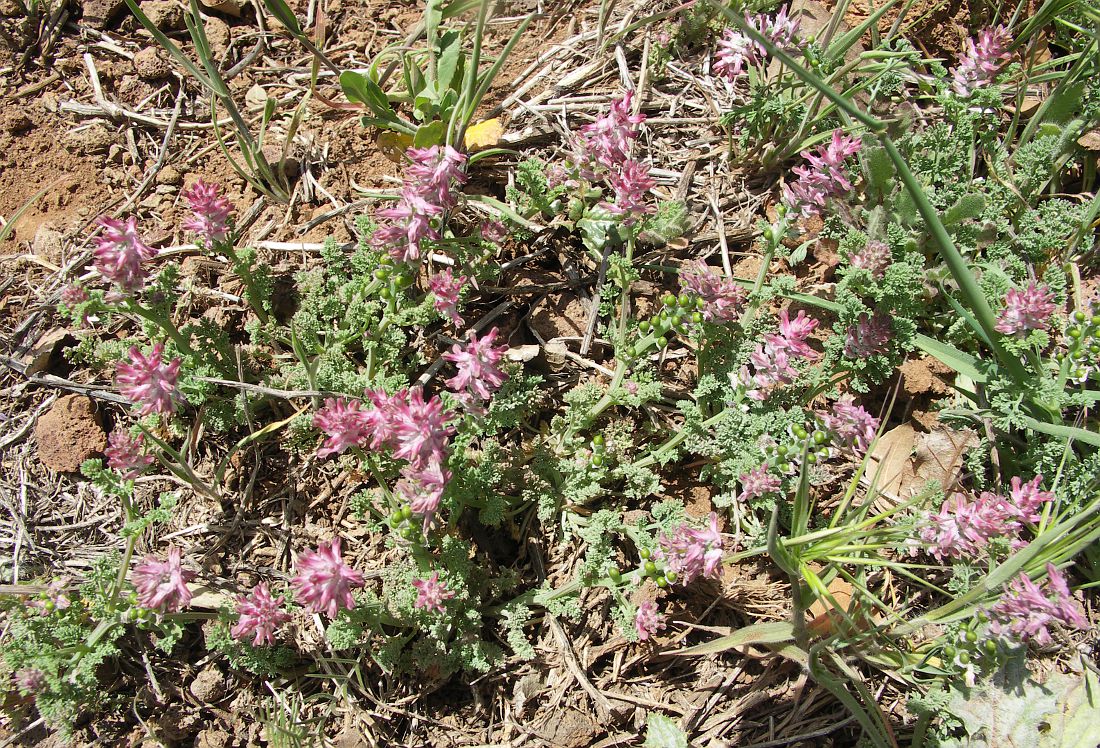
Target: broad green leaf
1009,709
429,135
362,90
662,732
284,15
450,53
1077,722
949,355
880,173
777,632
970,205
1062,432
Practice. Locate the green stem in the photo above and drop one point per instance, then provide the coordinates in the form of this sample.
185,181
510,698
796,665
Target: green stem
164,323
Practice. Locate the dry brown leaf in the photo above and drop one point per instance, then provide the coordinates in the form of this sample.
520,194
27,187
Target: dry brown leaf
824,617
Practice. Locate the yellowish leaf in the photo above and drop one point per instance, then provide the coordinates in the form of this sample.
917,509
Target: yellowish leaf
394,144
483,134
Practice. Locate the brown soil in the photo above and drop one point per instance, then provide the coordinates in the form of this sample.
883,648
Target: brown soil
69,433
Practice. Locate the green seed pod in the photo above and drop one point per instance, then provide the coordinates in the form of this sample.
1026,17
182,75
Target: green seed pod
597,460
964,657
662,582
662,342
684,300
409,533
949,652
799,432
781,450
991,646
811,458
1079,316
598,440
381,274
1096,319
644,553
650,568
671,576
820,437
397,518
1075,332
614,574
645,327
972,636
697,318
700,304
386,294
669,300
406,512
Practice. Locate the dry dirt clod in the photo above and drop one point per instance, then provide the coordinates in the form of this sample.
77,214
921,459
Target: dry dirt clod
90,140
169,175
69,433
217,32
166,15
212,738
150,65
96,13
208,686
47,243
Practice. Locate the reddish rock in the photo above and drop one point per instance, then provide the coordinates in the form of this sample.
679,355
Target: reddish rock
69,433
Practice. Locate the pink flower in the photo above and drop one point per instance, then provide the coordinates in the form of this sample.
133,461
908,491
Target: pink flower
823,178
120,252
430,593
1026,610
446,288
72,295
647,621
149,381
1027,498
260,615
29,680
57,597
875,258
962,528
631,184
478,369
772,365
125,455
423,488
210,219
421,429
758,482
345,424
494,232
869,336
736,50
982,61
691,552
793,334
434,169
1026,310
162,585
324,582
607,140
850,425
425,196
723,299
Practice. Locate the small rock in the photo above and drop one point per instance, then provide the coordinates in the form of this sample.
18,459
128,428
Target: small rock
212,737
90,140
47,243
217,32
150,65
255,97
69,433
96,13
169,175
164,14
208,686
15,122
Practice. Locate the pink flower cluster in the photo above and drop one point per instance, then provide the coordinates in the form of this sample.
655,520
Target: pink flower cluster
1026,611
1026,310
260,615
823,178
604,146
963,528
162,585
691,552
324,582
425,196
445,287
870,335
723,299
29,680
209,212
120,252
430,593
758,482
849,425
149,381
875,258
736,50
647,621
414,428
982,61
57,597
124,454
479,374
773,360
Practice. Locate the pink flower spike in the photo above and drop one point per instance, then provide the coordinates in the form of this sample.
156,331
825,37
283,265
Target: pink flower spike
647,621
162,585
823,178
324,582
260,615
1026,310
149,381
211,211
1026,611
423,488
420,428
722,298
478,365
758,482
125,455
691,552
849,425
631,184
344,424
430,593
607,140
875,258
446,288
120,252
982,61
869,336
1027,498
29,680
